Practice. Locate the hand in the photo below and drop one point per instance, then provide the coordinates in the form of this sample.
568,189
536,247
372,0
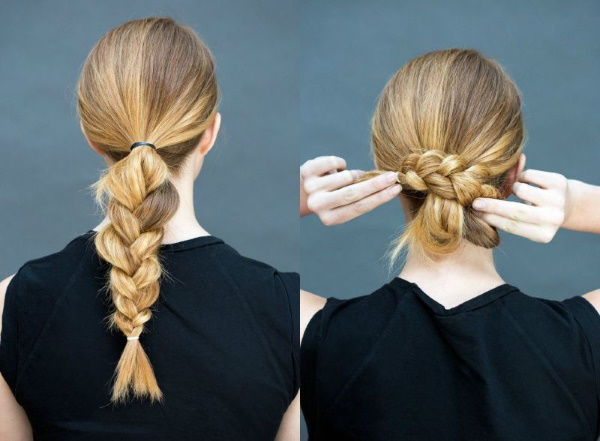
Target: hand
545,209
328,190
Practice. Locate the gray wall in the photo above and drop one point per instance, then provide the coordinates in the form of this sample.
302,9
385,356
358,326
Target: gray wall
349,51
247,193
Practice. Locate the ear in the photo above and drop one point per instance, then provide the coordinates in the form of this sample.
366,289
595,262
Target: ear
521,164
210,135
513,175
90,143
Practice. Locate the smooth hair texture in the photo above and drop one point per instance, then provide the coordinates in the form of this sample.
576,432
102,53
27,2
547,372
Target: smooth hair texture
449,122
150,80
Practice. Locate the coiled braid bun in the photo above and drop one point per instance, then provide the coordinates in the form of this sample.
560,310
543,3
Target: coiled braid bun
449,123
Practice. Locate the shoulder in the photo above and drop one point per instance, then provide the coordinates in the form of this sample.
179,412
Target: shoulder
339,337
263,286
59,262
45,270
568,307
234,262
555,323
334,321
247,270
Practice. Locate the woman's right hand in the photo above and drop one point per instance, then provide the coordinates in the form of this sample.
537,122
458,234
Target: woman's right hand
328,190
554,202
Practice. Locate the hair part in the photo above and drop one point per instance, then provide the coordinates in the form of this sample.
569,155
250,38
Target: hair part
147,80
449,122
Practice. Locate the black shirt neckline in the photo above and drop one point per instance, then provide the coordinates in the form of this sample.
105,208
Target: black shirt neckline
483,299
194,242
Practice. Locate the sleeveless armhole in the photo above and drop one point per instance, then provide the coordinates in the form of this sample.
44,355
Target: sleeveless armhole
290,283
310,346
588,319
9,337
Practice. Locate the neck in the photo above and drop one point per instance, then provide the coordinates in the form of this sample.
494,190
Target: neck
454,278
183,225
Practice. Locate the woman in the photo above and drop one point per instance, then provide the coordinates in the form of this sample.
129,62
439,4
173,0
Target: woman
202,341
449,350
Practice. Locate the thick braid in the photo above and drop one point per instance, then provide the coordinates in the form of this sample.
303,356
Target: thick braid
447,176
141,201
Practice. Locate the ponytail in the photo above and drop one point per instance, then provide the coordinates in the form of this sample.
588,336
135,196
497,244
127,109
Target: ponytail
150,80
141,200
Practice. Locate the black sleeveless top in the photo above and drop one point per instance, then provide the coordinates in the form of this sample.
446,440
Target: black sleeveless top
223,342
396,365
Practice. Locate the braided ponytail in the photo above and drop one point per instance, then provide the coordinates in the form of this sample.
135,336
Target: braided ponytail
141,201
153,80
449,123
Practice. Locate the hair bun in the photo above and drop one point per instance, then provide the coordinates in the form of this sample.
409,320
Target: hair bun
447,176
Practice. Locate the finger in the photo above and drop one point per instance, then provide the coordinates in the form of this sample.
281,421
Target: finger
533,232
348,212
541,178
356,192
526,192
332,181
509,209
321,166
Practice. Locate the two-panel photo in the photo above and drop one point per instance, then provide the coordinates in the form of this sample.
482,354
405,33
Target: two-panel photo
300,220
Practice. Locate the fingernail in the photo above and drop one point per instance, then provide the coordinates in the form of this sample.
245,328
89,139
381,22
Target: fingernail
360,173
394,190
390,177
478,204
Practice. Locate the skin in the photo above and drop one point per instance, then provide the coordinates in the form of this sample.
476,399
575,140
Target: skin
549,202
14,424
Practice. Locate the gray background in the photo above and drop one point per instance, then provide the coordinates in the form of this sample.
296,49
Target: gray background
247,193
349,51
339,54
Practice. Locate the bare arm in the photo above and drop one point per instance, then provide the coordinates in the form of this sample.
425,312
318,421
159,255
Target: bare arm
289,430
310,304
585,214
3,287
594,298
14,424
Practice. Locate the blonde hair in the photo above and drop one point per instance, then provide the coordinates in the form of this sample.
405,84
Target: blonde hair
449,122
149,80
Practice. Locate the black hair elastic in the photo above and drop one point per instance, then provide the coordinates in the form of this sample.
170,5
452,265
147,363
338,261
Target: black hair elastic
138,144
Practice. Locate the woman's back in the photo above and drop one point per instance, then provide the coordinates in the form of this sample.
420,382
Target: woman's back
502,366
222,341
